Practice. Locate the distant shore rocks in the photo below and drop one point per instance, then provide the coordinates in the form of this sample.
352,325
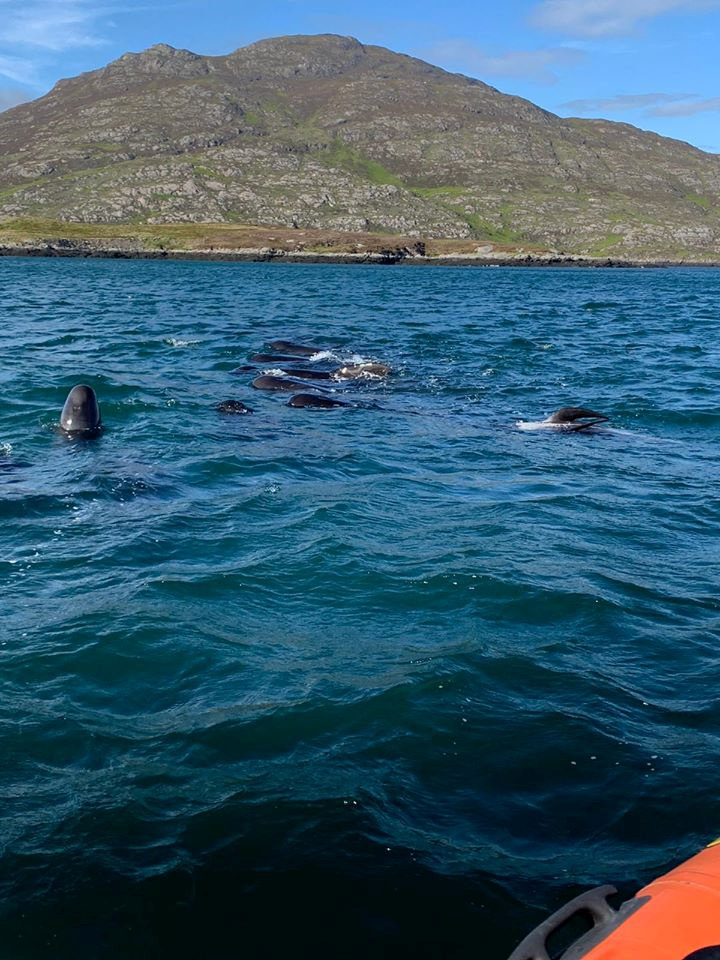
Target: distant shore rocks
135,250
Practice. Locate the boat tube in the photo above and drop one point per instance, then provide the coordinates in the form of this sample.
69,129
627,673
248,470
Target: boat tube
676,917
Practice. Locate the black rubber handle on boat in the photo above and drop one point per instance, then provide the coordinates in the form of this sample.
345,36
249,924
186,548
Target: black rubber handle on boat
594,902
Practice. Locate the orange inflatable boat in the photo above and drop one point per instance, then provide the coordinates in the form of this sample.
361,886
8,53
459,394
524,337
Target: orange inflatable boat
676,917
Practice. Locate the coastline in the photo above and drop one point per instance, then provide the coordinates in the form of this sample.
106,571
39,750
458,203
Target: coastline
392,256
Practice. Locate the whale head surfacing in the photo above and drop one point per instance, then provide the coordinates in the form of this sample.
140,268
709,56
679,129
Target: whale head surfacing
576,418
233,406
81,413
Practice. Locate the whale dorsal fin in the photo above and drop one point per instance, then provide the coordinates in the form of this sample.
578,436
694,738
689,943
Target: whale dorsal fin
576,416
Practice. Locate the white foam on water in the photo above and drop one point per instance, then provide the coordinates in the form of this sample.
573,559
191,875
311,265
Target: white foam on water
323,355
360,374
368,375
538,425
175,342
569,428
5,449
353,358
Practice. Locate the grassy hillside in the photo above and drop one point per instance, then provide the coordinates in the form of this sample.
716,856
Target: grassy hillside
324,133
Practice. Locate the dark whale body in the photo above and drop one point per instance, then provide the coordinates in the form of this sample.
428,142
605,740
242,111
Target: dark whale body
286,346
310,374
81,413
232,406
276,383
315,401
577,418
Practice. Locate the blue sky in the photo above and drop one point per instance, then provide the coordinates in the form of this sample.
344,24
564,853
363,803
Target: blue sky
652,63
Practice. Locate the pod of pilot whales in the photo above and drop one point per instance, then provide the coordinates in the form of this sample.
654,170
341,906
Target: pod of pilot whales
305,365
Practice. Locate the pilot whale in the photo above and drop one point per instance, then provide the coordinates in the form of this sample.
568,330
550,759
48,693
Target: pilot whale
366,368
305,374
297,349
277,383
568,419
356,371
318,402
233,406
576,418
81,412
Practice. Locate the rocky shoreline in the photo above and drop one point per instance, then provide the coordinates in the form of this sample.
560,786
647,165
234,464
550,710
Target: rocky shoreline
390,256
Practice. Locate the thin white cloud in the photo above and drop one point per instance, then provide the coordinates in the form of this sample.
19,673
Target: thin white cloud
17,69
604,18
532,64
651,104
34,32
50,24
626,101
57,25
686,109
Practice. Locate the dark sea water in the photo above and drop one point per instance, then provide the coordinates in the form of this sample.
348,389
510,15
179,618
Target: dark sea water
388,681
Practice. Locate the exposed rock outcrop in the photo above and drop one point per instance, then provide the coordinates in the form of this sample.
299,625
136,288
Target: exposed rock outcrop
325,132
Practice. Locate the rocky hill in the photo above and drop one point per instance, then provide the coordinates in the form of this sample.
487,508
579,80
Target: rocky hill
324,132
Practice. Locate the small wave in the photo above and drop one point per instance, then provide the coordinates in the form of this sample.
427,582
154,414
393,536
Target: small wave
175,342
601,305
337,357
368,375
567,427
5,449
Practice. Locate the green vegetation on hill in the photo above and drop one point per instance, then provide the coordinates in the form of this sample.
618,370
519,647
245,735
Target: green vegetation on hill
324,133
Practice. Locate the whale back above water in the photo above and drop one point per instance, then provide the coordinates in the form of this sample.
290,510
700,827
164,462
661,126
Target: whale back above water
304,374
367,369
81,412
315,400
297,349
576,418
573,414
276,383
567,419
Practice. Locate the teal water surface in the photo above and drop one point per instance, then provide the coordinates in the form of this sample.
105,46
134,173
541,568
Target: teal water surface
394,680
